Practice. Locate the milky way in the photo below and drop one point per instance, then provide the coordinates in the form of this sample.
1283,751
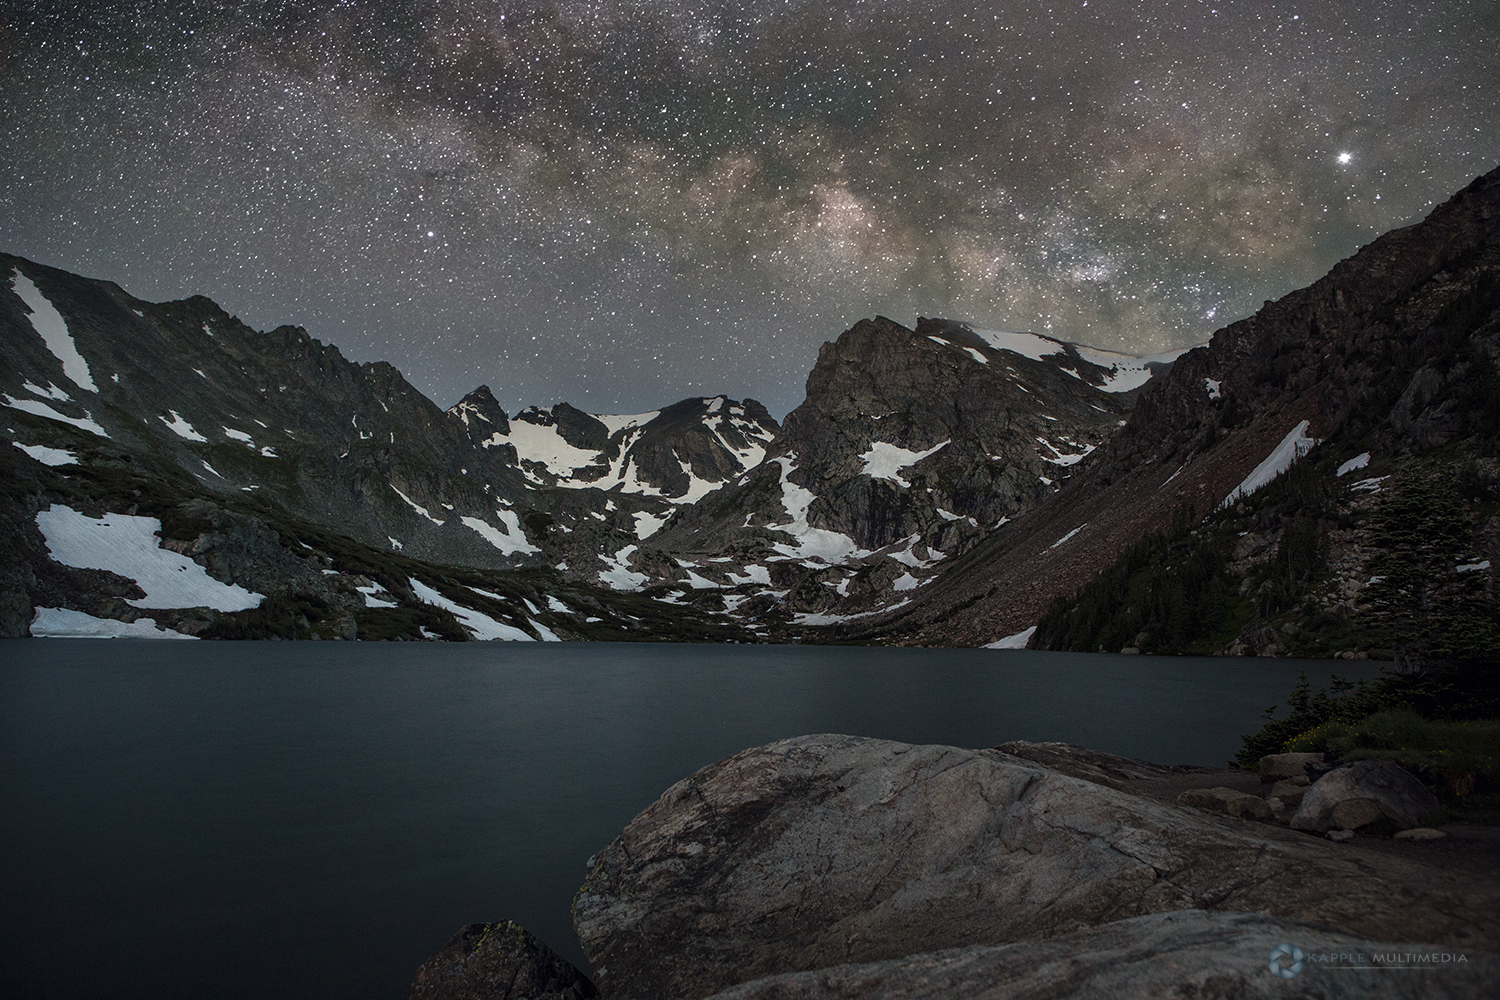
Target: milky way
623,203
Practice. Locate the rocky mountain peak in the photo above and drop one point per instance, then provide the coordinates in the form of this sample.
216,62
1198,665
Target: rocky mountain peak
481,404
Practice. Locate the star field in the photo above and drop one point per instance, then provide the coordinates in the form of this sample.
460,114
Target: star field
623,203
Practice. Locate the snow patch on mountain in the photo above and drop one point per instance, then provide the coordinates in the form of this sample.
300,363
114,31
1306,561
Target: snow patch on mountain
48,456
50,392
1061,458
619,575
1028,345
128,545
376,596
752,574
40,409
177,425
414,505
53,329
812,543
62,623
1126,372
648,524
907,557
885,461
535,443
1017,641
1292,447
480,625
616,422
1069,535
1357,462
509,538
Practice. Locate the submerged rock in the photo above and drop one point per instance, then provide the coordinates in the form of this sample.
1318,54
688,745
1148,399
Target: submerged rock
499,961
1362,793
827,850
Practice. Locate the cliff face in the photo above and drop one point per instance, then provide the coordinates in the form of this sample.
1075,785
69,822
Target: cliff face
910,446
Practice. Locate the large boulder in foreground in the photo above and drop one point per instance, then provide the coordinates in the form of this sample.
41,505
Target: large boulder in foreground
1186,953
827,850
1361,793
499,961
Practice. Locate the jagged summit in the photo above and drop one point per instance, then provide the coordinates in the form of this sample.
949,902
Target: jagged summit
678,453
481,405
910,446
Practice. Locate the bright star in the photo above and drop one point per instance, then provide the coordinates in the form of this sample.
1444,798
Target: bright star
1345,157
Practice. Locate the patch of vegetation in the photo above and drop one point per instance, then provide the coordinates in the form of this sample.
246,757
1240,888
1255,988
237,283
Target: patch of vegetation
279,616
1173,591
1458,759
1422,605
1454,692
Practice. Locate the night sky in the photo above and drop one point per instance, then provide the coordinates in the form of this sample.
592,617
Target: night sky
623,203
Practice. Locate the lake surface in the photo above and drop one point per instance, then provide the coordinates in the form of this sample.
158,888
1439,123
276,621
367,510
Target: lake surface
300,820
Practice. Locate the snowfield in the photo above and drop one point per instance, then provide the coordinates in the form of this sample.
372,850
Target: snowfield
1017,641
481,625
508,538
1292,447
61,623
1357,462
181,427
48,456
812,543
128,545
40,409
53,329
1129,373
885,461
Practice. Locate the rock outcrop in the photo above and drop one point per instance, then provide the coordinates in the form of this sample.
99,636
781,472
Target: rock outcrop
1362,793
499,961
1283,766
829,850
1227,801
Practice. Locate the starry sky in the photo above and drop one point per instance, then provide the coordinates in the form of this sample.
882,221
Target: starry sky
620,203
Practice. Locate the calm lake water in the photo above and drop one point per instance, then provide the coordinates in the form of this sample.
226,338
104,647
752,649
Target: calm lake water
299,820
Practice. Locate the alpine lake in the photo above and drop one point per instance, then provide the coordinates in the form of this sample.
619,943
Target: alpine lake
297,820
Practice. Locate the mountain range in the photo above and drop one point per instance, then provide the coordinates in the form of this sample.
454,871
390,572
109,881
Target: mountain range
171,471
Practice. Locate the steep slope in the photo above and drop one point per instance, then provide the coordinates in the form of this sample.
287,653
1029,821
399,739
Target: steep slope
1385,364
353,446
242,411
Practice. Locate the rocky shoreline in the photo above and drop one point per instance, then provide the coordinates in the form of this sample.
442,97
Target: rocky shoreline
837,866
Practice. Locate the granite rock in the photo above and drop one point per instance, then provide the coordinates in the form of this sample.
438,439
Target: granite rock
1281,766
1228,801
1186,953
1361,793
827,850
499,961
